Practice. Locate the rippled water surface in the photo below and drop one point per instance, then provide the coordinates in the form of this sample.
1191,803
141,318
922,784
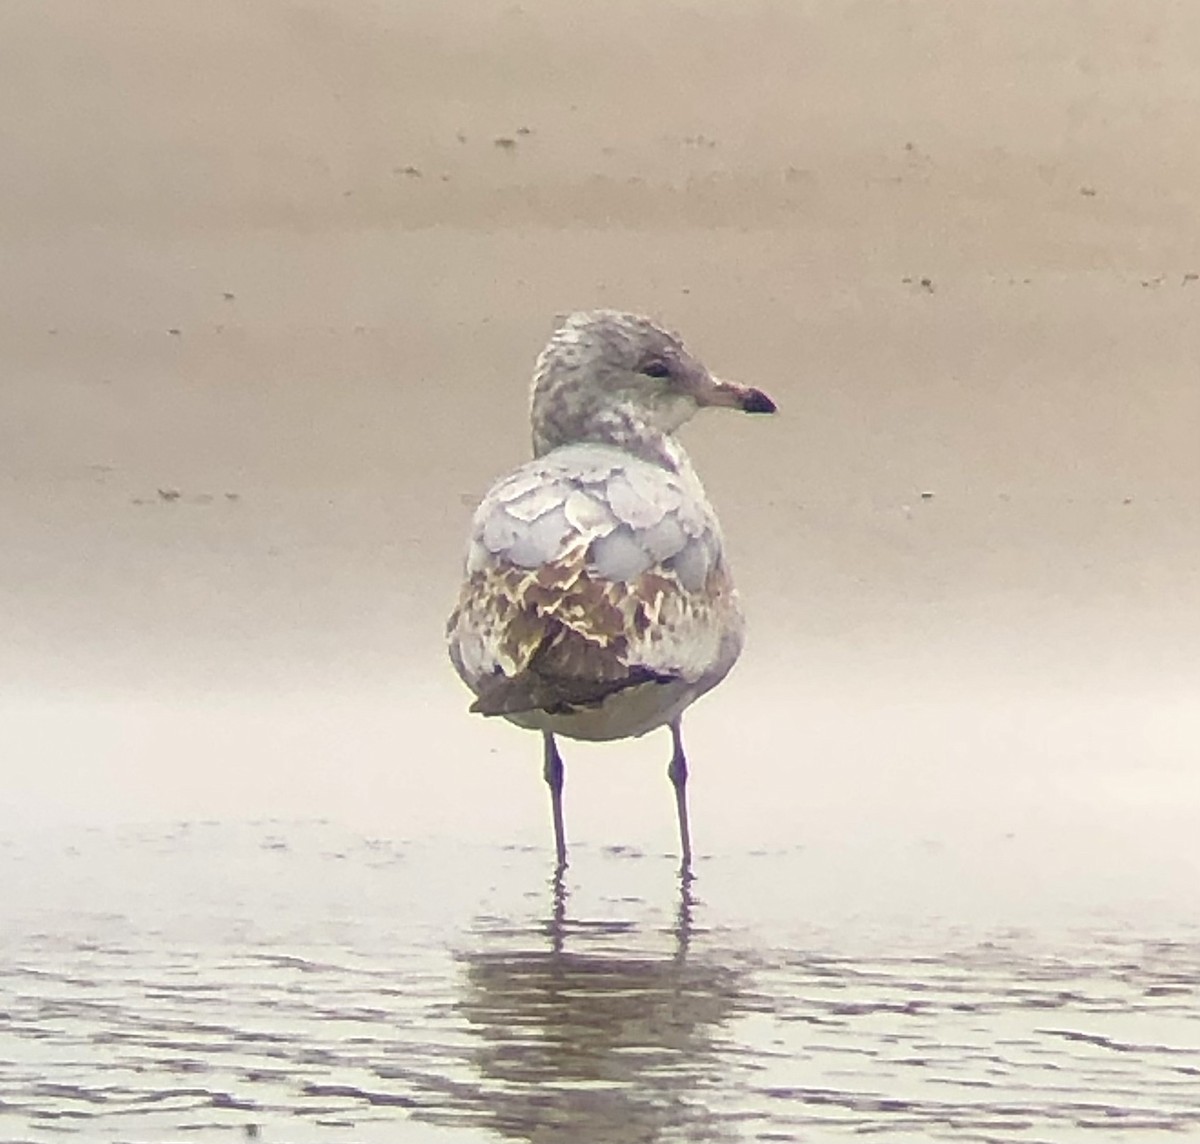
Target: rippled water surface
296,982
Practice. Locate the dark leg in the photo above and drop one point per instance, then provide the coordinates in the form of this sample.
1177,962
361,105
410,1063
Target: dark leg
677,772
553,773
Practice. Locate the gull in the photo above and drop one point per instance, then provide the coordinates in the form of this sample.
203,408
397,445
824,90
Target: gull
596,601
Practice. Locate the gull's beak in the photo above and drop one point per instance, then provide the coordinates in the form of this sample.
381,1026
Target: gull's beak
730,395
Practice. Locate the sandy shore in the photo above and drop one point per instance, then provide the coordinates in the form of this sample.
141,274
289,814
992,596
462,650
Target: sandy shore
274,277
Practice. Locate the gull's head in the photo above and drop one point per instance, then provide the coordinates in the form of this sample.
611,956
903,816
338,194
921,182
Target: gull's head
605,374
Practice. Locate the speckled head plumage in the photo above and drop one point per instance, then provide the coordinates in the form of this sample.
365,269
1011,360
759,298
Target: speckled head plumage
618,378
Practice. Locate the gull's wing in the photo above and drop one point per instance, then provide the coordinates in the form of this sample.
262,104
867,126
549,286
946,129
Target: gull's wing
589,571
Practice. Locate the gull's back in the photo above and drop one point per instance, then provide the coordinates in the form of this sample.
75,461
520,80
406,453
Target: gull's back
597,601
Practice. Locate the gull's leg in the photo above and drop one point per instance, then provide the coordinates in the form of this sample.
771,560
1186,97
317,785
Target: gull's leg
677,772
552,771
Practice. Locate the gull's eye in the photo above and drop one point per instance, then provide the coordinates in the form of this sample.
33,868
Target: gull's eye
656,368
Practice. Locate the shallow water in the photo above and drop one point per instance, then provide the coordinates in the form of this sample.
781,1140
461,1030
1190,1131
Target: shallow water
297,982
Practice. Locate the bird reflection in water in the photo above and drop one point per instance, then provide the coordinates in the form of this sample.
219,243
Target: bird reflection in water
585,1038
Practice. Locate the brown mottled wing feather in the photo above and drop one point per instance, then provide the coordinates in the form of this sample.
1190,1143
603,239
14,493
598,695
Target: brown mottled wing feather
563,675
588,572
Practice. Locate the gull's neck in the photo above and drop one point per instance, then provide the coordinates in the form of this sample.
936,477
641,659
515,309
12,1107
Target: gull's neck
620,427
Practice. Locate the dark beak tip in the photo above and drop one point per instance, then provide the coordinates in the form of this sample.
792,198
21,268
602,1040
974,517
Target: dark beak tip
758,402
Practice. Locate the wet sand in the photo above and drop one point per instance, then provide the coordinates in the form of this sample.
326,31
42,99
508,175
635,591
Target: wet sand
274,281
